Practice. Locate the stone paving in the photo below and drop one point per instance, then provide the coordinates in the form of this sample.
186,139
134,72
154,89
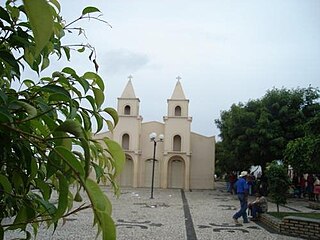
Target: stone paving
172,215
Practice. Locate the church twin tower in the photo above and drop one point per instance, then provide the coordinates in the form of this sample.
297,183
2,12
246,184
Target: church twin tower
184,159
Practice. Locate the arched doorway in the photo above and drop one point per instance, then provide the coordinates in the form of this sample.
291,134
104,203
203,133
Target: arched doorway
148,173
126,176
176,172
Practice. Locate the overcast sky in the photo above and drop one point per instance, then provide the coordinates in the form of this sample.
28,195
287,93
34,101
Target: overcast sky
224,51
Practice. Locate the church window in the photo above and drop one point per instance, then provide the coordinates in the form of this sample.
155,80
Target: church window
125,141
176,143
177,111
127,110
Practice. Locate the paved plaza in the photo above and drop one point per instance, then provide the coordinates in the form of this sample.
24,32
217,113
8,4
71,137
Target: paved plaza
173,214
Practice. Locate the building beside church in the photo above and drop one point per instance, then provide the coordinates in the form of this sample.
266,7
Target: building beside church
183,160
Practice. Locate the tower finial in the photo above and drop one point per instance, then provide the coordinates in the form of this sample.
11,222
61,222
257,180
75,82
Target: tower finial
130,77
178,78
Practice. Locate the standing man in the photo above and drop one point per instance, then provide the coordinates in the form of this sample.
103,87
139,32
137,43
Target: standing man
242,192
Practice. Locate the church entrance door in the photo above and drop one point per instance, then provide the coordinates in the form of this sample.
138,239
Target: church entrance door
126,176
176,173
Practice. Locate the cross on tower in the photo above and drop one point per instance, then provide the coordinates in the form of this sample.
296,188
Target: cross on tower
178,78
130,77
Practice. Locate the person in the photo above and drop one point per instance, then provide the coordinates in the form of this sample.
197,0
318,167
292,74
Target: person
302,186
296,185
250,180
310,181
259,205
232,181
242,192
316,189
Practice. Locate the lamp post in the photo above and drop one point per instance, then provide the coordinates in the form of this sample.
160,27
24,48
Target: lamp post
153,138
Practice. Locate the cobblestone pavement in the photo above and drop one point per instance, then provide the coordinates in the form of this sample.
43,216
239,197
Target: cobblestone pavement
172,215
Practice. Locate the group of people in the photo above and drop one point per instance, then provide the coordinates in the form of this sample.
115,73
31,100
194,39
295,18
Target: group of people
257,184
306,185
259,205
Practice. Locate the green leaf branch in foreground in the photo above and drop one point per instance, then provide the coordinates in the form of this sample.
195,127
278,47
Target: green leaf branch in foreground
46,124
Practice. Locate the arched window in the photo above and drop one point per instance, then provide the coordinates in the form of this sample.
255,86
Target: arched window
127,110
177,111
176,143
125,141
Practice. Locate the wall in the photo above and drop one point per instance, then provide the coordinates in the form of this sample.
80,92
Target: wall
293,226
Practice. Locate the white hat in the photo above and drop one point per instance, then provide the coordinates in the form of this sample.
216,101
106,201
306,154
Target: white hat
243,173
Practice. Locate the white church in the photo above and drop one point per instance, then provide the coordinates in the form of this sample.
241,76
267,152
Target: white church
184,159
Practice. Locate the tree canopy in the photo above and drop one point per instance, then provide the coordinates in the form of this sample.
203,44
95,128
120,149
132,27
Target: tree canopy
258,132
46,124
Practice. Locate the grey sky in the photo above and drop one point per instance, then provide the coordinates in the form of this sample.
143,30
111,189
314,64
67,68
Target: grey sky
225,51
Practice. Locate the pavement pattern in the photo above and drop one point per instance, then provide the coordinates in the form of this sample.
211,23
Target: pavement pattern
173,214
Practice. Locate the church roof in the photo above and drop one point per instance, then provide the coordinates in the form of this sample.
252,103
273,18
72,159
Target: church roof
128,92
178,92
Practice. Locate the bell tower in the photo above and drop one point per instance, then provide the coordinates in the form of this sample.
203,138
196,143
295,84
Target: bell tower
128,132
177,135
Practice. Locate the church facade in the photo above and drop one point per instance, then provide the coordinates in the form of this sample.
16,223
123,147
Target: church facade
184,159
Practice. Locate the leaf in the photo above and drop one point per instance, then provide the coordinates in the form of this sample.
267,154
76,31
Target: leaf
89,10
99,122
84,83
99,170
1,232
87,156
5,183
72,127
5,116
9,59
33,167
96,65
62,139
28,83
116,153
41,21
99,96
56,4
57,97
81,49
63,197
70,159
24,215
96,79
86,120
102,209
55,89
67,52
31,110
92,102
69,71
110,125
113,113
45,63
4,15
44,188
77,197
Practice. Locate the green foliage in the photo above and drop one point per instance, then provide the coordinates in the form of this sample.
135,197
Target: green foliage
258,132
46,124
278,183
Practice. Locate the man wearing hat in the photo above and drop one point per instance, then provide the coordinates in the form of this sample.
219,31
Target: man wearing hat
242,192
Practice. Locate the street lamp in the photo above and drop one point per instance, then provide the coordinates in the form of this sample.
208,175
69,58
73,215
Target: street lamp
153,138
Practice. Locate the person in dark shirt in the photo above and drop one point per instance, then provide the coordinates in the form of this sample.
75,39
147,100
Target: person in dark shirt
242,192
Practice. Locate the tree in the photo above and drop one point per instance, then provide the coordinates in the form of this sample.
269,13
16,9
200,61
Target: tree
258,132
278,183
46,124
303,153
